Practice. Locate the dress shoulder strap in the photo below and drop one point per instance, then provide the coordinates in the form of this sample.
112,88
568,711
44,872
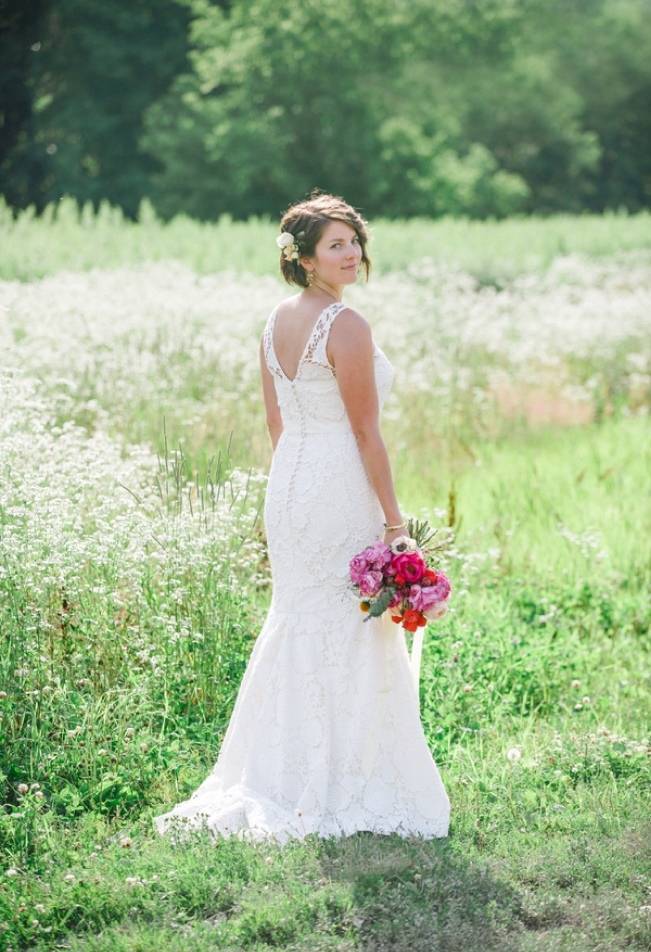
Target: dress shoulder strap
267,343
316,351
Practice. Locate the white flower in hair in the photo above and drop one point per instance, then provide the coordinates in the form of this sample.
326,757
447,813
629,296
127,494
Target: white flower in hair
287,242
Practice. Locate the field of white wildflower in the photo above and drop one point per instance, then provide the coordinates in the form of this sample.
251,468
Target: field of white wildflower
134,579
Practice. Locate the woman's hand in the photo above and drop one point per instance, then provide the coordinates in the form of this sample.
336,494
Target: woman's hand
391,534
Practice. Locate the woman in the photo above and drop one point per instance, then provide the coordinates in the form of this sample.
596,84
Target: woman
325,735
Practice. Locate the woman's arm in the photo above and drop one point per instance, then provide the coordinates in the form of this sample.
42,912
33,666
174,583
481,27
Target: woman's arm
272,410
351,345
376,462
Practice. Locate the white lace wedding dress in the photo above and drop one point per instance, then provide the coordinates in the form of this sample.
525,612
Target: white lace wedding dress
325,735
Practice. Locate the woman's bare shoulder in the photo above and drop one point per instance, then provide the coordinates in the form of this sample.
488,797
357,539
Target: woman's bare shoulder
288,304
352,324
350,338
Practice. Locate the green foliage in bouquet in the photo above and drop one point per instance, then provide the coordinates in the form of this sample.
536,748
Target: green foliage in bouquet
423,534
381,603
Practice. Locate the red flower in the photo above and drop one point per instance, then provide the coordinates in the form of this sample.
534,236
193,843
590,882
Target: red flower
413,619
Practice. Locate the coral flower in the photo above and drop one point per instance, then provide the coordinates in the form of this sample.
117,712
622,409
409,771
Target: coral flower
413,619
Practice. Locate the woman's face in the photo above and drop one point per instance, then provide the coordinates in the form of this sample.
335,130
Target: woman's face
337,254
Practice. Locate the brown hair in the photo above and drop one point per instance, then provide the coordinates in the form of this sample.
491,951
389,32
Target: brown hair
306,220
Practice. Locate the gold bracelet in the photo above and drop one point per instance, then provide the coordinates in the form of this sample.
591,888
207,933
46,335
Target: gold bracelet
399,526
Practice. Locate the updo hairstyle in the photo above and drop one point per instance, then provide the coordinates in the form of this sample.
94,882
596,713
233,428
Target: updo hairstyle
306,220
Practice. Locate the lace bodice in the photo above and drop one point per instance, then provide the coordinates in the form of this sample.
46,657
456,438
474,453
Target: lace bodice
311,399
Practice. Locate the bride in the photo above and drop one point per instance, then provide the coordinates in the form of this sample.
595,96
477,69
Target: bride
325,736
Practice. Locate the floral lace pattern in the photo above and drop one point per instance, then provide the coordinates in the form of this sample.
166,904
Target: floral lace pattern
325,735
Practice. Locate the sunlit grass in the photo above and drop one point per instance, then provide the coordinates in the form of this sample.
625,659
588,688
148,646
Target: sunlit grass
67,235
134,579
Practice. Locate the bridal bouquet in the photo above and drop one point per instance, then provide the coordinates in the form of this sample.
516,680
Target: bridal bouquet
398,577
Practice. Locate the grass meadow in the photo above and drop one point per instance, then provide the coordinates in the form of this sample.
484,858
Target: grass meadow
134,580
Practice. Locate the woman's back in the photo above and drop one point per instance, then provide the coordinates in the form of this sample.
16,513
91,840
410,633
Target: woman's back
294,323
311,394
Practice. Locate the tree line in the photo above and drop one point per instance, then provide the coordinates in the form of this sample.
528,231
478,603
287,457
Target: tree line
481,108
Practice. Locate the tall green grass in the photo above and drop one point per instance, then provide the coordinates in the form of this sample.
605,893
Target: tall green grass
67,236
119,666
535,705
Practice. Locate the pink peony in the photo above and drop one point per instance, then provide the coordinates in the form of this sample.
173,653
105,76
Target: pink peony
371,583
372,559
424,596
441,586
378,554
409,565
358,567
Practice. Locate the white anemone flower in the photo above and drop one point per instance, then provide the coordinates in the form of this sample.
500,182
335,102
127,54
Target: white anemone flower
403,543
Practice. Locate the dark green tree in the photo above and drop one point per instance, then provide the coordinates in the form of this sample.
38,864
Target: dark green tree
569,116
94,68
283,98
22,162
406,107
